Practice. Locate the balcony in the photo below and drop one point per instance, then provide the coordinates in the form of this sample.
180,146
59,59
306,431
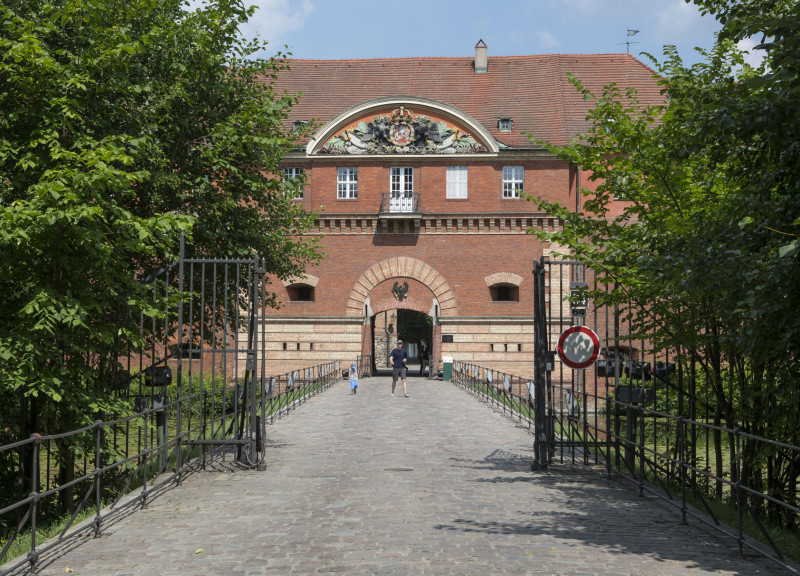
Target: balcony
403,206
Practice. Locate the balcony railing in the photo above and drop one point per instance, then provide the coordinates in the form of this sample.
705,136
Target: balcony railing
393,205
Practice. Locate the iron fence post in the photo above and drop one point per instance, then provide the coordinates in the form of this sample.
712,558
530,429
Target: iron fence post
681,441
738,486
642,452
33,556
98,464
540,452
179,368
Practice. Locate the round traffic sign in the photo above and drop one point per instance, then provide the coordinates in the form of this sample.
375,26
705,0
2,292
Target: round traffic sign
578,347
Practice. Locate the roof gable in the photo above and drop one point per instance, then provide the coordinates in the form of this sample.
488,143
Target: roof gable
533,91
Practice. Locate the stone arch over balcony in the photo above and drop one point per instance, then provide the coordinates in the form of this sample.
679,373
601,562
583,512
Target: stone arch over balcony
402,267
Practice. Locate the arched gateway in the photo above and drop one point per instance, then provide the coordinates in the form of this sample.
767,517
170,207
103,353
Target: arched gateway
391,285
400,268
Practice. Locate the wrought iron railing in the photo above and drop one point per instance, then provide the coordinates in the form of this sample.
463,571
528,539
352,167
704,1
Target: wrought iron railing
511,394
126,461
629,431
663,417
190,385
393,204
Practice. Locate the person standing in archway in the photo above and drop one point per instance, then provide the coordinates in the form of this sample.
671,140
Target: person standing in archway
424,357
399,358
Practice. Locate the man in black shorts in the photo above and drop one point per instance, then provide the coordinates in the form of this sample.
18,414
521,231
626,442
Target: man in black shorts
399,357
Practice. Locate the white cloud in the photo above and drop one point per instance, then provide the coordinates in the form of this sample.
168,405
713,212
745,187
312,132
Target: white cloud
753,57
679,22
545,39
275,19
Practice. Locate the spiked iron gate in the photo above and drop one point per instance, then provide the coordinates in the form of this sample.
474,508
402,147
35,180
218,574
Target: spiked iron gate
569,418
193,388
209,336
640,411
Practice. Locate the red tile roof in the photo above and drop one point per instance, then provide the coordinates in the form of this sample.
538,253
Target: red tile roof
531,90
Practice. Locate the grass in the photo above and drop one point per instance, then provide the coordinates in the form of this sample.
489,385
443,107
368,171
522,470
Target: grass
22,545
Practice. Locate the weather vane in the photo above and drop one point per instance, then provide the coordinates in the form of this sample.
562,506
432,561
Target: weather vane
628,41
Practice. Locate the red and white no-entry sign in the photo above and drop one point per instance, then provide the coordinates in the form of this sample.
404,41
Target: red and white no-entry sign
578,347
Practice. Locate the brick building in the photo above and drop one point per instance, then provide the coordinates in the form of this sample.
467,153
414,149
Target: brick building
417,167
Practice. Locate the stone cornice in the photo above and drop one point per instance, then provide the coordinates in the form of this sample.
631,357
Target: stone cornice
486,320
272,318
461,223
505,155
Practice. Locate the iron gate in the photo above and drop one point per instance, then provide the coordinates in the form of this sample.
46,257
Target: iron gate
573,420
202,357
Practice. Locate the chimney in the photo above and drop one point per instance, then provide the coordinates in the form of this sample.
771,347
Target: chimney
481,59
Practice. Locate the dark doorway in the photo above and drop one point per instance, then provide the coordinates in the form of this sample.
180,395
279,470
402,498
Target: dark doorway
416,331
414,328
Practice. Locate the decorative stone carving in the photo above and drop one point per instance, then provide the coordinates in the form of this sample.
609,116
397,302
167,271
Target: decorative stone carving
402,133
400,290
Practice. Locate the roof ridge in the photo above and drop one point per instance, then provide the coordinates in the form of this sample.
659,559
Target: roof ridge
469,58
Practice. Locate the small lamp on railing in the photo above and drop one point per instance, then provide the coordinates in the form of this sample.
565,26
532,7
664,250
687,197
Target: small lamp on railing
663,369
637,370
549,360
160,376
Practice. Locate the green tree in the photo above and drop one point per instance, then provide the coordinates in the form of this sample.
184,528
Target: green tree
706,255
123,124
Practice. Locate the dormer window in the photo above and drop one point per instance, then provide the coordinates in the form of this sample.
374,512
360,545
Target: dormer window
504,124
299,125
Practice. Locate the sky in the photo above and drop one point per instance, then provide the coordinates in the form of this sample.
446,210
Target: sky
345,29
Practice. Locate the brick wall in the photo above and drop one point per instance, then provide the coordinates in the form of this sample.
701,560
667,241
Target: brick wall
445,255
549,178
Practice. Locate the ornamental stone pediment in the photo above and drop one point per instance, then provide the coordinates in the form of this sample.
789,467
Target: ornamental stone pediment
392,126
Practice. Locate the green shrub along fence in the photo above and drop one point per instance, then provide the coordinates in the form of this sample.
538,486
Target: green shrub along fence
122,463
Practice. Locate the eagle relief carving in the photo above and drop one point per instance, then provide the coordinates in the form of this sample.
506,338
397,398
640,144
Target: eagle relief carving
400,291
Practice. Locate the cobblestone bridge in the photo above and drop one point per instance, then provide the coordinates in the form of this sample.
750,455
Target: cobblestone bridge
436,483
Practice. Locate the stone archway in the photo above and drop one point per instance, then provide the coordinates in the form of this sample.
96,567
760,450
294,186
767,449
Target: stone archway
401,267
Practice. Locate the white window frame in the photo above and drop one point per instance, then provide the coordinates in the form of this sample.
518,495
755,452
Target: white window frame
504,124
291,172
513,181
401,189
457,182
347,183
402,181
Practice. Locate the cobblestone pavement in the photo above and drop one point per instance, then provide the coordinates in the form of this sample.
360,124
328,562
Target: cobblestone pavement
437,483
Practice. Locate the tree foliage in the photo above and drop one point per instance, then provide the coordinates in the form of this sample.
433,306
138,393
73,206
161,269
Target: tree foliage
707,247
123,124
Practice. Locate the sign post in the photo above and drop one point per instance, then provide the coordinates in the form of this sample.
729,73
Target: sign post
578,347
